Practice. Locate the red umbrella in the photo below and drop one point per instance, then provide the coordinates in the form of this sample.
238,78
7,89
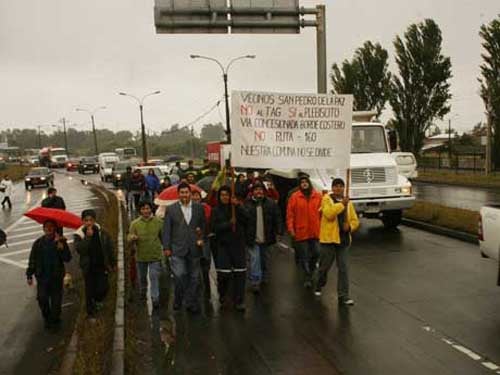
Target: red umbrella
61,217
169,195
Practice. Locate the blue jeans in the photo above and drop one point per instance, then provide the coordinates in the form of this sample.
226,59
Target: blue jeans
259,259
154,278
186,271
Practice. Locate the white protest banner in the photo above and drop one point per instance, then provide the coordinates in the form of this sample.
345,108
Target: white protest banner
309,131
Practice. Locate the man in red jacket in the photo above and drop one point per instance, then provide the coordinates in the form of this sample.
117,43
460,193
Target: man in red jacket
302,219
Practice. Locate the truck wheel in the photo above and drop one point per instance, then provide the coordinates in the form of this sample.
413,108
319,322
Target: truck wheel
392,219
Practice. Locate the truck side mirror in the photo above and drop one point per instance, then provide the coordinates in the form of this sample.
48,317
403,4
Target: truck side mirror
393,140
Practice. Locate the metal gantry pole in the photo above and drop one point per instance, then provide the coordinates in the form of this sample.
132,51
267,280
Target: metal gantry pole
321,49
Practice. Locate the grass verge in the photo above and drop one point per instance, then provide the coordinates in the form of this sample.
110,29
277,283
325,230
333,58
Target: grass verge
95,340
16,172
448,217
462,179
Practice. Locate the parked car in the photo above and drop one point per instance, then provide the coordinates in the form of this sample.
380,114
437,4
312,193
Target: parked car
41,176
489,234
72,165
407,164
88,163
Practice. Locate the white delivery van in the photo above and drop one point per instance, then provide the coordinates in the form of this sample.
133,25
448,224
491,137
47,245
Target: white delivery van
106,162
407,164
489,233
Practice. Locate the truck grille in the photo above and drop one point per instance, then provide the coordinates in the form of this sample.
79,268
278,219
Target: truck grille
368,175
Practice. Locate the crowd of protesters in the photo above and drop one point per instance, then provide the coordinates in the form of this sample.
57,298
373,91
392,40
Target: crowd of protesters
233,227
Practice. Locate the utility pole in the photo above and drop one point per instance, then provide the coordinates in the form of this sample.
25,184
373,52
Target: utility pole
143,136
95,135
65,136
487,167
192,142
449,141
226,97
39,137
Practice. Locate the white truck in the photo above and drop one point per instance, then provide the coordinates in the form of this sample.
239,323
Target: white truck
377,190
489,233
106,162
58,157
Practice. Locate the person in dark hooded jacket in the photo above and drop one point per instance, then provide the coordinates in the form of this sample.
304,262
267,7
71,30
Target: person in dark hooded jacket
230,257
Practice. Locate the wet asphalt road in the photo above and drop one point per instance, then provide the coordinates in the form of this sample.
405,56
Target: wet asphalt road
456,196
25,346
417,295
425,304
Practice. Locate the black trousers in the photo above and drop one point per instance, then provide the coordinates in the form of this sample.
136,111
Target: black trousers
230,262
7,200
50,295
96,288
205,276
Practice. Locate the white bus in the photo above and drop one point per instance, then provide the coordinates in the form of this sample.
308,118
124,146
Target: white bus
126,153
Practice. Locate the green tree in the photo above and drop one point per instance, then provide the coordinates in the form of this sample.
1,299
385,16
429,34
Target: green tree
421,92
366,77
490,81
212,132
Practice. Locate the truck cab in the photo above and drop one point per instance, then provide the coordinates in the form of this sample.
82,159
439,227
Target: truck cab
376,189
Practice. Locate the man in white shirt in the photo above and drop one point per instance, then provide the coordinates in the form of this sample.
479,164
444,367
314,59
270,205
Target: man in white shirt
6,186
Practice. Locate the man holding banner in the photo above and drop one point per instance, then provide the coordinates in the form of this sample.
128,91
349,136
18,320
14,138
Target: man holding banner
338,221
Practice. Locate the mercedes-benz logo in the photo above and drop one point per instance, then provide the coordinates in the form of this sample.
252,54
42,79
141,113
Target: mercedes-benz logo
369,175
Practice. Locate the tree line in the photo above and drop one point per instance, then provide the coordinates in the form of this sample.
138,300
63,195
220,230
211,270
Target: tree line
179,140
419,93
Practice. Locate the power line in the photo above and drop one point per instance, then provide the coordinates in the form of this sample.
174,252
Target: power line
204,114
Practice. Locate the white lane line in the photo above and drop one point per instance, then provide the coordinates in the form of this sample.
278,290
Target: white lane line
12,262
17,252
464,350
26,234
31,240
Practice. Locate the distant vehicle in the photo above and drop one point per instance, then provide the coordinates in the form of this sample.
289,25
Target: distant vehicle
72,165
126,153
39,176
58,157
106,161
407,164
34,161
489,231
88,163
119,169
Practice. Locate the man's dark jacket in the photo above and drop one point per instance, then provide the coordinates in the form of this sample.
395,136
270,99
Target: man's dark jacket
54,202
273,224
179,236
82,247
43,251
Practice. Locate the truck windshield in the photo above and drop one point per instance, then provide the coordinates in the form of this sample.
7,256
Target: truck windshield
368,139
58,151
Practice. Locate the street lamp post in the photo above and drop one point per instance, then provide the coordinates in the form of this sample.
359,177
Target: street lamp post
224,76
143,128
92,114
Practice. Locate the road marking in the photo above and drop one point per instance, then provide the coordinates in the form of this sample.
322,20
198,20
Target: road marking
23,250
462,349
25,234
12,262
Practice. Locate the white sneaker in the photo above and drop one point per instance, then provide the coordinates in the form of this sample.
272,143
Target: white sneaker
348,302
317,292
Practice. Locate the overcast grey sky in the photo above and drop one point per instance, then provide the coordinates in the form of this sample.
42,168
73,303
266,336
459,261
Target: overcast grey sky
56,55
